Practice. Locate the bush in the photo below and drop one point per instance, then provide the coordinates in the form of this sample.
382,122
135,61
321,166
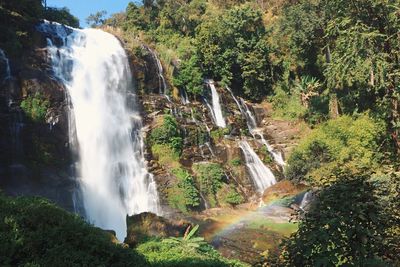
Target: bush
287,105
61,15
184,194
210,179
230,196
236,162
168,134
34,232
35,107
344,226
165,155
343,144
167,254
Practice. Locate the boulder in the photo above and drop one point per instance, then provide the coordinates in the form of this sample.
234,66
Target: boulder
144,225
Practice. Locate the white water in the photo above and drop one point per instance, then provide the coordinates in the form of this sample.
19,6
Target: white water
252,126
3,57
160,71
184,97
113,178
262,175
215,108
306,200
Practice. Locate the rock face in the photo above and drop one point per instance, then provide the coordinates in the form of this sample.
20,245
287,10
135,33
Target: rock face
144,225
34,153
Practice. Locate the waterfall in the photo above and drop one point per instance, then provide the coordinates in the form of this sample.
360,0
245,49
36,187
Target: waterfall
262,175
113,180
7,71
184,97
306,200
252,126
215,108
160,72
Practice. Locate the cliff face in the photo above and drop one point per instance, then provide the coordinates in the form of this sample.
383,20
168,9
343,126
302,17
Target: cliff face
36,157
34,152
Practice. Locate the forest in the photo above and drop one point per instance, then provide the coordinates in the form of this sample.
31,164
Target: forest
332,66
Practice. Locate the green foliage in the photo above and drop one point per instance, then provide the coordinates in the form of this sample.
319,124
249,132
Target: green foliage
165,155
189,240
288,105
168,134
236,162
61,15
183,195
233,49
175,254
232,197
35,107
34,232
345,226
190,77
210,179
96,19
337,145
219,133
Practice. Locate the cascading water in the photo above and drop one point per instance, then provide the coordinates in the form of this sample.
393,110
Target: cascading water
6,63
215,108
184,97
160,71
262,176
252,126
113,178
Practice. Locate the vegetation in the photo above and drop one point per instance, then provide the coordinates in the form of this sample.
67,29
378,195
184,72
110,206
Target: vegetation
35,107
343,145
34,232
346,225
210,179
168,134
183,195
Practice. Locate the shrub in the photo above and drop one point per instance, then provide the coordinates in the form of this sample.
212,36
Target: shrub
165,155
236,162
177,255
183,195
168,134
231,196
337,145
34,232
35,107
210,179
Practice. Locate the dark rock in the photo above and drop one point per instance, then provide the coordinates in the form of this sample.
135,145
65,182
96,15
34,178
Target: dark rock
145,225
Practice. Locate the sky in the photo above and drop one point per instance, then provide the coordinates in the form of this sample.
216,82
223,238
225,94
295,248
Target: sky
83,8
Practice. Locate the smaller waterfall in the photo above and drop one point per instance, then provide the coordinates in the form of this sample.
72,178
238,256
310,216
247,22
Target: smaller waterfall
184,97
306,200
7,71
250,118
252,125
276,155
215,108
262,175
160,71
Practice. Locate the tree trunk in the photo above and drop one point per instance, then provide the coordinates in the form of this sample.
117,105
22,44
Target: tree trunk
333,105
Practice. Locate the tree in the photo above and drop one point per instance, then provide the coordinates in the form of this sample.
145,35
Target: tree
234,50
97,19
345,226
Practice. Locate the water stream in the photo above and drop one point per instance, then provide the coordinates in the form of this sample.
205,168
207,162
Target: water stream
215,108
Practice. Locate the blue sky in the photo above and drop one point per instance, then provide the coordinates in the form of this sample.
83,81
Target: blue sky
83,8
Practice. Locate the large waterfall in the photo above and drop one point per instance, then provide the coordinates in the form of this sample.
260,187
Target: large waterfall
215,108
113,178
